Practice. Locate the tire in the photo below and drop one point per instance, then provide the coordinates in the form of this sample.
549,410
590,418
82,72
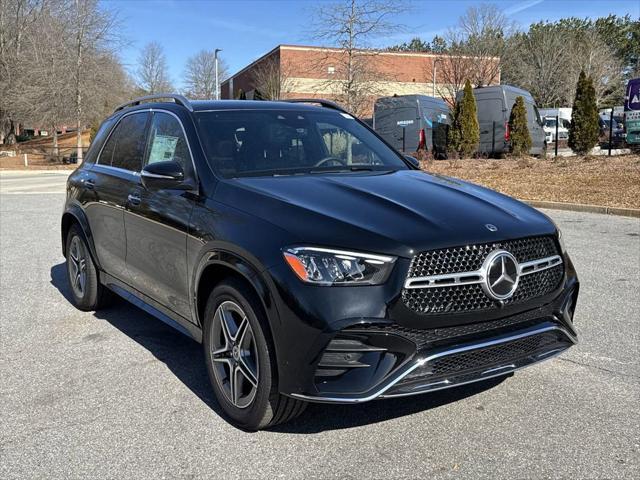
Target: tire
243,351
87,292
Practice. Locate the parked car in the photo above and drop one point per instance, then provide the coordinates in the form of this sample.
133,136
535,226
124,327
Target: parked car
618,134
313,261
413,122
494,104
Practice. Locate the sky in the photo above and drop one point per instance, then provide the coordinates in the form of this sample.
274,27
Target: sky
247,29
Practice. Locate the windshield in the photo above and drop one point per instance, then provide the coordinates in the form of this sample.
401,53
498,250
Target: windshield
286,142
550,122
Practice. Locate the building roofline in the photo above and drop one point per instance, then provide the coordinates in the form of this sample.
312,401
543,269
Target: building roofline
270,52
285,46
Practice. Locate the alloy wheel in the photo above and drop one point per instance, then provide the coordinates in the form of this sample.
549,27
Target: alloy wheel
234,354
77,265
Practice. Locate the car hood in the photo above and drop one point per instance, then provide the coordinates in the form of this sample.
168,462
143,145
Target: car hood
397,213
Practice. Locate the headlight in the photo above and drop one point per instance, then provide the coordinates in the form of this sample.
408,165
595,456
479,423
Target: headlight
563,249
324,266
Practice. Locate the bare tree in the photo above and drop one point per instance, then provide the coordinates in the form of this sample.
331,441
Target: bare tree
350,26
533,64
271,79
93,29
452,72
547,61
200,75
598,60
475,49
482,33
17,20
152,72
57,65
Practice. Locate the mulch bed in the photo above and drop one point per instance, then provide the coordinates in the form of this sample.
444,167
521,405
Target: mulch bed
601,180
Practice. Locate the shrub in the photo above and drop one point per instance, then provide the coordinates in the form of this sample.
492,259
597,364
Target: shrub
464,134
520,137
584,128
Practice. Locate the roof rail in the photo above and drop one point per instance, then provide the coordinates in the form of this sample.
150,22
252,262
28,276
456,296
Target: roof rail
179,99
319,101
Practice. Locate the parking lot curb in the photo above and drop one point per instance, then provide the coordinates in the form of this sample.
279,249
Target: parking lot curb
581,207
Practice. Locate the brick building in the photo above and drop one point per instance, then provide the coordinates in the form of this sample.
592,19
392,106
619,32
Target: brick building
318,72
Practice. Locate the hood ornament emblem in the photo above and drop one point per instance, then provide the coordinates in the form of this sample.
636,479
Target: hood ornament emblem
491,227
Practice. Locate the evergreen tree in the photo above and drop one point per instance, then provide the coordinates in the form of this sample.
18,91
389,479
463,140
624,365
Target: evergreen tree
453,134
464,133
584,128
520,137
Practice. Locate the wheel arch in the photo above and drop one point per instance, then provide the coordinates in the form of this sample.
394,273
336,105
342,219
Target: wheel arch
217,265
75,215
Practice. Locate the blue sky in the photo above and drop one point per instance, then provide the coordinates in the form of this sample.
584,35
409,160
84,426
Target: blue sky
246,29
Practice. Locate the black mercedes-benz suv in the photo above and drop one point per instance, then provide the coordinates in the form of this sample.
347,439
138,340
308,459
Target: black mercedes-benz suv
313,261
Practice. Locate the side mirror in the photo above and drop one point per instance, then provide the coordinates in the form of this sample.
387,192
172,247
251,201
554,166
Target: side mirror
413,161
160,175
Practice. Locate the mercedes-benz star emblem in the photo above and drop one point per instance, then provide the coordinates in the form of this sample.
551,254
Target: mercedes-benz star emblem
491,227
501,275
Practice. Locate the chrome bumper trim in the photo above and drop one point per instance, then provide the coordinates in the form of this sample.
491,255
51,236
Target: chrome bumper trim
379,391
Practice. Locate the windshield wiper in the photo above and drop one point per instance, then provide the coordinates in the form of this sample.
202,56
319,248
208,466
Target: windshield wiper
353,168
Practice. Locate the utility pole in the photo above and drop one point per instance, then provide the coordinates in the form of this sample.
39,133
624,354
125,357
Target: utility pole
217,80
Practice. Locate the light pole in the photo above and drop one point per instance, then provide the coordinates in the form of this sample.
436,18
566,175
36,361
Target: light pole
215,56
433,82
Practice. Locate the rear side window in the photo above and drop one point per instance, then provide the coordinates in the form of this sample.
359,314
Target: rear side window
125,147
167,141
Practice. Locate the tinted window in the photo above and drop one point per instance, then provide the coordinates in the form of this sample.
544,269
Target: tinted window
281,142
125,147
167,141
98,139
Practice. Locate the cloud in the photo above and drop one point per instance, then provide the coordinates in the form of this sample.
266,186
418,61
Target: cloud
521,6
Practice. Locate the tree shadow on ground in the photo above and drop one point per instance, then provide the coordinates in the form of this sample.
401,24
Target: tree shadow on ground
185,359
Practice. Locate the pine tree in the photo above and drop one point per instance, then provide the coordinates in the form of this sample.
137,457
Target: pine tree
464,133
584,128
520,137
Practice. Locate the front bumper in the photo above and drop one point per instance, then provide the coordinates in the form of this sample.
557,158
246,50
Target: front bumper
388,350
464,363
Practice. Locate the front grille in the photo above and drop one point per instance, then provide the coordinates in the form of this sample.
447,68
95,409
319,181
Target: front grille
469,258
483,359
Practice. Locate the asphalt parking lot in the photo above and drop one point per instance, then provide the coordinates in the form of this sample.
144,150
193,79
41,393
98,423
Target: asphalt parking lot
117,394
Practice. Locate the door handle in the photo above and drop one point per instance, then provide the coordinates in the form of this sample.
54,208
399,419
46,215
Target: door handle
134,199
90,183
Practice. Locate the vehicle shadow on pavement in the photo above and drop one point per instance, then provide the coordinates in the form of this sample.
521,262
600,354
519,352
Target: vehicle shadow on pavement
322,417
182,355
185,359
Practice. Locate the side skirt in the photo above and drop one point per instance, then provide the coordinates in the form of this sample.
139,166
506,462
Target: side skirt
152,307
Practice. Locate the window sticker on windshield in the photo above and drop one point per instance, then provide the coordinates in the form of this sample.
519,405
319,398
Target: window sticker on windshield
346,115
163,148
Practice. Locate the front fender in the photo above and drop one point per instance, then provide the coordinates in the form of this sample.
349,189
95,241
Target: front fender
242,263
74,214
